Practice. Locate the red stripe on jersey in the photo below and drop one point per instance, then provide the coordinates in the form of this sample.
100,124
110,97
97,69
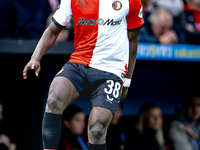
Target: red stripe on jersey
133,19
122,88
85,13
126,70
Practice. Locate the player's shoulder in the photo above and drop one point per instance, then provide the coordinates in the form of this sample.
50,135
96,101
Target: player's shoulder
135,3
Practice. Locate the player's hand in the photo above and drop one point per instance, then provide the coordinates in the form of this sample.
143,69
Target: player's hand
33,64
124,93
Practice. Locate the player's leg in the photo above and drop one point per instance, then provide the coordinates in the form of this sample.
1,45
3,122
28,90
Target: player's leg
62,92
66,87
99,120
105,96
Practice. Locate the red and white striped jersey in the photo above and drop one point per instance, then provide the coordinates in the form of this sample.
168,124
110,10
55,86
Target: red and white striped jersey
100,28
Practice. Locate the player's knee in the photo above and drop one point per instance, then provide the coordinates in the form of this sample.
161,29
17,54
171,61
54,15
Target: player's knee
97,131
54,105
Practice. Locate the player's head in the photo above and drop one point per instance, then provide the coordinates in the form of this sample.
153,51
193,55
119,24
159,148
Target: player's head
74,119
1,112
161,21
150,116
191,104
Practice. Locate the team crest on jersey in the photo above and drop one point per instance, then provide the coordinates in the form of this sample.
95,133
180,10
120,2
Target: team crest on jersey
117,5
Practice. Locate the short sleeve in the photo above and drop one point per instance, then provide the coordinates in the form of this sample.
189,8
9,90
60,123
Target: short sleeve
64,14
135,15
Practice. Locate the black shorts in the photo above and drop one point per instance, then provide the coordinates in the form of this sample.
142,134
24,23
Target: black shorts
104,88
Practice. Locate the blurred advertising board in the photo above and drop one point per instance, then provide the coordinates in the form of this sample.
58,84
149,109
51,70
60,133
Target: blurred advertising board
177,52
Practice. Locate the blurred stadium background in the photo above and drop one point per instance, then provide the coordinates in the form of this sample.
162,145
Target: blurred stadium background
162,75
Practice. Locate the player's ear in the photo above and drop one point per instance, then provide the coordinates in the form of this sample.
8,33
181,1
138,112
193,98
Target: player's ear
66,123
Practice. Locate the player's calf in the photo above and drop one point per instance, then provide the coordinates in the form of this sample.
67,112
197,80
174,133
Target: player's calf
51,125
51,130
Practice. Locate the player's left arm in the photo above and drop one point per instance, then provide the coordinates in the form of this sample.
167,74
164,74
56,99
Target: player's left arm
133,43
135,22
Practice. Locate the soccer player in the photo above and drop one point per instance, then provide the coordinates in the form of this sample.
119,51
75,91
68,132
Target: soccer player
106,39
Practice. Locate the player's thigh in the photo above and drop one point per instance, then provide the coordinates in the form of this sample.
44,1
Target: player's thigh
61,93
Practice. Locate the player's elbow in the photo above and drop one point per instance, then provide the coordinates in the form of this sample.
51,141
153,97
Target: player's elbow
54,29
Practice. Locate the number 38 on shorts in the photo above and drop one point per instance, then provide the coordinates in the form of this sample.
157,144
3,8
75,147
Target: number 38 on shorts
112,90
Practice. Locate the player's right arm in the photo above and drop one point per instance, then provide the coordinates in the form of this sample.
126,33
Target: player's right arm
60,20
45,43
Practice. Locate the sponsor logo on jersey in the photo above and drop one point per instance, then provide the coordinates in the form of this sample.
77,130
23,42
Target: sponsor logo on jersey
100,21
82,3
109,99
141,12
117,5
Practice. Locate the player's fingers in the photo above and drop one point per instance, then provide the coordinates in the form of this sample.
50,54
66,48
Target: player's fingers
122,97
124,93
37,71
26,68
33,66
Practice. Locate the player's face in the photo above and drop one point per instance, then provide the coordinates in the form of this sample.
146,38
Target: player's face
155,119
194,109
76,124
1,112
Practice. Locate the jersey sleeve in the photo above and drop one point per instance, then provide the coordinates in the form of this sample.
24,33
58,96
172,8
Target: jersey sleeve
63,15
135,15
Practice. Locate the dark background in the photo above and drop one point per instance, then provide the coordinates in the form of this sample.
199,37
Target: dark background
162,82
